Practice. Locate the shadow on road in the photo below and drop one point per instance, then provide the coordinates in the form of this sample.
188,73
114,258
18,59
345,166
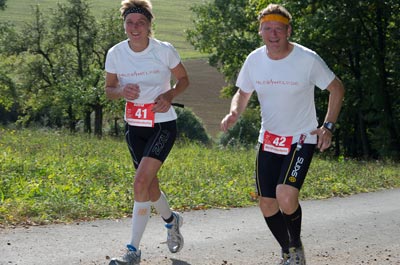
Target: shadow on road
179,262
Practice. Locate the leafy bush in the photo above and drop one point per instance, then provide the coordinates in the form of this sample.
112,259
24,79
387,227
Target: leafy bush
244,132
190,127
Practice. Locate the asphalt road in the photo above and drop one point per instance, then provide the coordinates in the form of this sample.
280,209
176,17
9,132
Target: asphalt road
360,229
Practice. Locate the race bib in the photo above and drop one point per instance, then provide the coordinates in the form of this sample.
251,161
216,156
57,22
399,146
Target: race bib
277,144
141,115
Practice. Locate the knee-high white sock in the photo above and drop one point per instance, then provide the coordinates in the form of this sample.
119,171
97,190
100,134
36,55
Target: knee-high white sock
162,207
140,217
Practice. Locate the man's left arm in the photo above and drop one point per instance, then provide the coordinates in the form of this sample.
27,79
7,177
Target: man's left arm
325,132
336,94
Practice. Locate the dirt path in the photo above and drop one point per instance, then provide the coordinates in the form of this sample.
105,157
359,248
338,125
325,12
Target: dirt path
203,94
361,229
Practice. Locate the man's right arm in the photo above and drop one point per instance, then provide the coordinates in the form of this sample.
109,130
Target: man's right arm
238,105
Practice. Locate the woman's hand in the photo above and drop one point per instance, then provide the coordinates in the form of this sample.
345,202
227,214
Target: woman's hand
163,102
130,91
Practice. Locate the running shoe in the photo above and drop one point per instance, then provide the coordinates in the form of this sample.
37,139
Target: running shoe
174,237
297,256
285,260
131,257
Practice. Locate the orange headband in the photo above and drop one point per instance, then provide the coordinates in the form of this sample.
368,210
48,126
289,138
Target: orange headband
275,17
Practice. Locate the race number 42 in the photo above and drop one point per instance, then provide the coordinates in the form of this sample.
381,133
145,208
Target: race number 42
276,143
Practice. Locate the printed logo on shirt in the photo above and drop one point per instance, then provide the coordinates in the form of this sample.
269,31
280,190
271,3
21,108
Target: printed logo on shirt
277,82
143,73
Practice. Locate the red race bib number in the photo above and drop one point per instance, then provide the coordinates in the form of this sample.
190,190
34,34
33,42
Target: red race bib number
139,114
277,144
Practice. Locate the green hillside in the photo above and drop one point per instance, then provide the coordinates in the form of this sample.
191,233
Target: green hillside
173,17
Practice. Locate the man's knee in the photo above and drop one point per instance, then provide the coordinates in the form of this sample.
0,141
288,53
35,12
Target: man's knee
268,206
288,198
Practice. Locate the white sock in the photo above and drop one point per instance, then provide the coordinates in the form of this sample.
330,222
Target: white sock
162,207
140,217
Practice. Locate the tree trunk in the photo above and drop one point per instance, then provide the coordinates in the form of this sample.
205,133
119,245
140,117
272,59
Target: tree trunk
71,118
116,127
87,123
98,120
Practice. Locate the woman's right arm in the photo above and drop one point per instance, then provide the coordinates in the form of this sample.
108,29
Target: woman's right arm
115,91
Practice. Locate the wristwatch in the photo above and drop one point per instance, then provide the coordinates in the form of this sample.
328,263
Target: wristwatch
330,126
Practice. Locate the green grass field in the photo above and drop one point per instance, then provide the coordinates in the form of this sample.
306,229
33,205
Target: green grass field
52,176
172,18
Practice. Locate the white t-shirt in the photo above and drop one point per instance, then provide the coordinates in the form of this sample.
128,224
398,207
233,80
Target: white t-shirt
150,69
285,90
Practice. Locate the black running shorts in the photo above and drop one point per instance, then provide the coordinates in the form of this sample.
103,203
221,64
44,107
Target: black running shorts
273,169
155,142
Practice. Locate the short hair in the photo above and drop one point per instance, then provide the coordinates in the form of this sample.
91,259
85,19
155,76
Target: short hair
144,4
275,9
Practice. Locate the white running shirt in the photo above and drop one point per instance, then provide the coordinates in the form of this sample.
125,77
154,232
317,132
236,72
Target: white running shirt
285,90
150,69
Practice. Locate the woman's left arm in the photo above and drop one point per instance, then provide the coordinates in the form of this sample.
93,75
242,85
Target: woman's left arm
163,101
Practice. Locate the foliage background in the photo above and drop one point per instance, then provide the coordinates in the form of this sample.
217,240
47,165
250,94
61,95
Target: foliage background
51,76
357,39
63,52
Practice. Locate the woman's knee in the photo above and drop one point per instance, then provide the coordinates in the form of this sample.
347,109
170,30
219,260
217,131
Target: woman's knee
154,190
141,185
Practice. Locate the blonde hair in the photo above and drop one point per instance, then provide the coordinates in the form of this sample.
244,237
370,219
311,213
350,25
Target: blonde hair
144,6
276,10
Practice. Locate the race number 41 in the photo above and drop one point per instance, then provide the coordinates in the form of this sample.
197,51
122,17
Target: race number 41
141,115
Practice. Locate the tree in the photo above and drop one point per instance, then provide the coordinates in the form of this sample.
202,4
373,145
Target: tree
357,39
9,102
64,55
73,29
3,4
110,32
227,31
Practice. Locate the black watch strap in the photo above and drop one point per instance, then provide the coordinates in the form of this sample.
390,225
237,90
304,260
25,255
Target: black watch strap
330,126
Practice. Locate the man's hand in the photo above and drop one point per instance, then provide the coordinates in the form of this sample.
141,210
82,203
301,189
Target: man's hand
228,121
324,138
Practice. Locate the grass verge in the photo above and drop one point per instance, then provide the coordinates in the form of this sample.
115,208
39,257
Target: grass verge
48,176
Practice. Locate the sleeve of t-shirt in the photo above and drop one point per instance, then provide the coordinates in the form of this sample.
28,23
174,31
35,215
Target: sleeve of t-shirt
110,65
244,81
173,58
320,74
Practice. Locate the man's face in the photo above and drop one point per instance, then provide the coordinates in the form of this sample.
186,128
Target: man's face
274,34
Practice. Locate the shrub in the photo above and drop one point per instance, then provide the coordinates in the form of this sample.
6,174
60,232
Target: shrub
190,127
244,132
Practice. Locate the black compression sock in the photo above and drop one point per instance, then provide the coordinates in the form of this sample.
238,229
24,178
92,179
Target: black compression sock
293,222
277,225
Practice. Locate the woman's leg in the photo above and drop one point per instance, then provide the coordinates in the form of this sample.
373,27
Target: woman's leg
145,175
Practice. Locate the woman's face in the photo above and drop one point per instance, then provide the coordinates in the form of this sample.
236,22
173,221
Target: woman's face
137,27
